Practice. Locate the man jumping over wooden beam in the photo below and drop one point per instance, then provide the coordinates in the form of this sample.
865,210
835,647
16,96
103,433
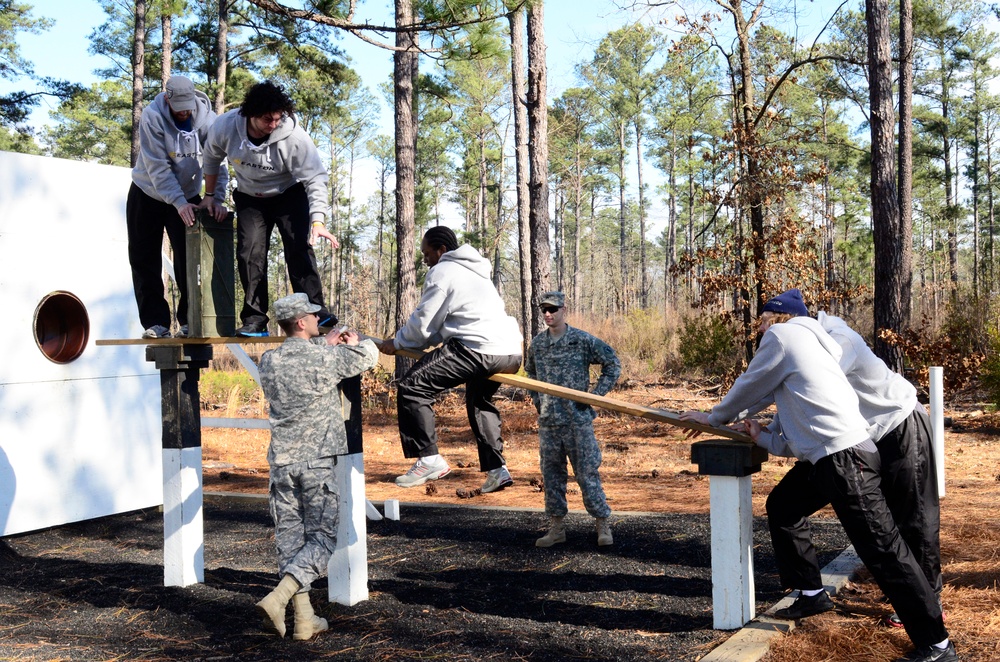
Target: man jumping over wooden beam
461,308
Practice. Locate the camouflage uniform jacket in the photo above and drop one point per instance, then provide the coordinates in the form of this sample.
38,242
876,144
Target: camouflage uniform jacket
300,381
566,362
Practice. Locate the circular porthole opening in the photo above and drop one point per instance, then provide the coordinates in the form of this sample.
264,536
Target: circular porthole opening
62,327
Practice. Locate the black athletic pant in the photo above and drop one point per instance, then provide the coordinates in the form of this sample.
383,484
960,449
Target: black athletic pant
849,481
145,219
255,220
449,366
909,484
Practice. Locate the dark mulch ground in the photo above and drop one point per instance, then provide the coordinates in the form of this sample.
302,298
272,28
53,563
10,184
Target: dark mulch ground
446,583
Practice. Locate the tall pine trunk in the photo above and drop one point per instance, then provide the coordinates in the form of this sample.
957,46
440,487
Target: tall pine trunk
405,62
904,175
166,47
517,27
885,205
221,54
538,186
138,72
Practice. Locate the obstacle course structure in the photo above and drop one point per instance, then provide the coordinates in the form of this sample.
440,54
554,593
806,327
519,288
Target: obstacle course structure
79,429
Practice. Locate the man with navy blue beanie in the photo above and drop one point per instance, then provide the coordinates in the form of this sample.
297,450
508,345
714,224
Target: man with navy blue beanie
820,424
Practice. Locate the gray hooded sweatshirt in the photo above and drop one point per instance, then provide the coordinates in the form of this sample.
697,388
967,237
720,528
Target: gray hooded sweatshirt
796,368
885,397
460,301
168,168
287,157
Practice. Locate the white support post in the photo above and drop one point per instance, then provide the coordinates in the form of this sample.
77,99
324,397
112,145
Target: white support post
391,509
348,567
732,551
183,531
937,423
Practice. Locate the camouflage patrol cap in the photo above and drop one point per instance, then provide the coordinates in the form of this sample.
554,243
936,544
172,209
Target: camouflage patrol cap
294,306
557,299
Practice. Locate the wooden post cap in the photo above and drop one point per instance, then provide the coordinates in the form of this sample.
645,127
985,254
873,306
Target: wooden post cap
726,457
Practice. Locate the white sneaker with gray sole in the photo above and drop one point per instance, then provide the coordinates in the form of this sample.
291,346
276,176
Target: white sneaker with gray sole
496,480
422,472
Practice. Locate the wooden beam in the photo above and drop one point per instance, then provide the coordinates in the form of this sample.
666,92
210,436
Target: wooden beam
604,402
190,341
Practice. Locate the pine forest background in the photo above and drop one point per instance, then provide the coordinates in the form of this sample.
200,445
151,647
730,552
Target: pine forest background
770,162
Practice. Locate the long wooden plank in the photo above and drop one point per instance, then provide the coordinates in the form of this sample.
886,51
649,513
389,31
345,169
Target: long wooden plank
240,340
602,401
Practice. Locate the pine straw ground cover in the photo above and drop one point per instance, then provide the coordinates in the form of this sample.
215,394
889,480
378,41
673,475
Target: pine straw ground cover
467,583
647,468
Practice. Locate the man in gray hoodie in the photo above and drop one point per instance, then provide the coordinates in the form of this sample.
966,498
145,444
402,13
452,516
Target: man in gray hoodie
461,308
280,181
165,192
797,368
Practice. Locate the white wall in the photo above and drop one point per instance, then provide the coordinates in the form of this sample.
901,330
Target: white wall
78,440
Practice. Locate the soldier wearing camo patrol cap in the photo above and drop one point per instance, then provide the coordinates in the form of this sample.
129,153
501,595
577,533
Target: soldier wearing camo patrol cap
563,355
300,381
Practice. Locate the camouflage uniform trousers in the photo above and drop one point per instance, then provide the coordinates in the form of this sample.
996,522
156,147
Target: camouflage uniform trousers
577,442
305,506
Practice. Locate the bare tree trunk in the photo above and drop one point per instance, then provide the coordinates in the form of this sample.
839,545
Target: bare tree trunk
670,250
138,72
166,47
517,27
905,165
643,284
405,63
885,205
990,208
221,54
622,235
577,227
558,236
538,185
745,116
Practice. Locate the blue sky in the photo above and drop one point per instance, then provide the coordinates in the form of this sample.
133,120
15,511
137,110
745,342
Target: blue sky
61,51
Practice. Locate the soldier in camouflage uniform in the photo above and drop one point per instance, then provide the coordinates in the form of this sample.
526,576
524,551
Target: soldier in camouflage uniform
563,355
300,381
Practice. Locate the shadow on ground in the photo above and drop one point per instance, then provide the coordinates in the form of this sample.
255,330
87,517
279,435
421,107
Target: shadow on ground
445,583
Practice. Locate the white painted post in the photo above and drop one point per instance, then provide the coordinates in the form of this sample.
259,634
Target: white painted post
348,567
391,509
183,531
937,423
732,551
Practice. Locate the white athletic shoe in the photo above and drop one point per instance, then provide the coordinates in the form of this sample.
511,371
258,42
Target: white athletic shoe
421,472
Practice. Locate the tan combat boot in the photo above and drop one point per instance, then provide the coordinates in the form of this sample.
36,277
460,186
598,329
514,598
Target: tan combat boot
556,534
272,607
604,532
307,623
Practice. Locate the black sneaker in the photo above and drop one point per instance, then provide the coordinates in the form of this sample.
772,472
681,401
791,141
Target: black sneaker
931,654
156,331
252,330
327,321
806,605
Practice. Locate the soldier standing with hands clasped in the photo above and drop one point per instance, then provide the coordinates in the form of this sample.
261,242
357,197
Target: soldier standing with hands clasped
563,355
300,381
